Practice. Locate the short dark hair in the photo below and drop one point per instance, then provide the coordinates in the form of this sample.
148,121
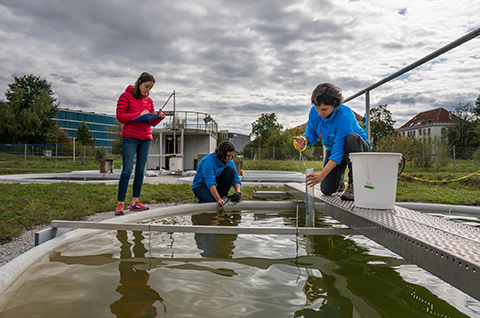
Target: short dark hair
144,77
327,94
222,149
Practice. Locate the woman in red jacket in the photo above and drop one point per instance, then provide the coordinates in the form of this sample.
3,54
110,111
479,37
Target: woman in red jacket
136,137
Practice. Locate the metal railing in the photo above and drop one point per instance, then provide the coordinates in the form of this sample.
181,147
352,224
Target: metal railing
406,69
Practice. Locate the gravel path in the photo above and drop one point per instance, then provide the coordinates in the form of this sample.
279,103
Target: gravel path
26,241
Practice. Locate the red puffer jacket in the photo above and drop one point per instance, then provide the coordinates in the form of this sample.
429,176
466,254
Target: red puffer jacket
128,108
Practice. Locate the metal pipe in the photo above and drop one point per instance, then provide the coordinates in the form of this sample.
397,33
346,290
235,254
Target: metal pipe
406,69
419,62
367,114
309,202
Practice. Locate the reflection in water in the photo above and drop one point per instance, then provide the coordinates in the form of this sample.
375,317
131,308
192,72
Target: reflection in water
322,287
138,298
379,283
216,245
269,276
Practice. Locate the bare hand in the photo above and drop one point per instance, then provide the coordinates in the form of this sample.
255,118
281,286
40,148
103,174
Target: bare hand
144,112
161,114
313,179
299,143
221,202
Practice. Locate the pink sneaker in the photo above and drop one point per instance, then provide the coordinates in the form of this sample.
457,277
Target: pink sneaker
138,206
120,209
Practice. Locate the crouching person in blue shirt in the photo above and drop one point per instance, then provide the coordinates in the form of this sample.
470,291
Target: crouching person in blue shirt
341,135
216,175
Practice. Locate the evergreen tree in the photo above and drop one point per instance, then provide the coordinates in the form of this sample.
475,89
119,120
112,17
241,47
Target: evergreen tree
85,137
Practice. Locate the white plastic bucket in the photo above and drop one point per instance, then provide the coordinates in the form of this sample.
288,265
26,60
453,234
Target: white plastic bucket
375,179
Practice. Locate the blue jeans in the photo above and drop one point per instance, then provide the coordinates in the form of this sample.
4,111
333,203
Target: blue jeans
353,143
130,147
224,183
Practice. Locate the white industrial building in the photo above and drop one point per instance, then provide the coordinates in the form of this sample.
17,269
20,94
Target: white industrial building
181,140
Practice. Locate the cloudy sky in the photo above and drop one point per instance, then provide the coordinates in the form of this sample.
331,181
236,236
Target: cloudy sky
238,59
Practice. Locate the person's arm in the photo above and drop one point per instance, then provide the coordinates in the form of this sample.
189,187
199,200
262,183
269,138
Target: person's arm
236,186
214,192
313,179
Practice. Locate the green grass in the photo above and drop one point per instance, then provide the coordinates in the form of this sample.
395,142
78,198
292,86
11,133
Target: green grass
27,205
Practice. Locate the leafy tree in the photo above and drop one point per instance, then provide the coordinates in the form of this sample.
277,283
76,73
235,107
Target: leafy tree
220,138
263,128
85,137
463,133
66,141
381,124
28,112
476,109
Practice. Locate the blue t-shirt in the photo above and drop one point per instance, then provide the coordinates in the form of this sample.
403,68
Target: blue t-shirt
209,168
333,130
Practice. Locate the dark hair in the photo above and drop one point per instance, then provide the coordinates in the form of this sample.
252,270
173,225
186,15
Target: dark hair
327,94
144,77
222,149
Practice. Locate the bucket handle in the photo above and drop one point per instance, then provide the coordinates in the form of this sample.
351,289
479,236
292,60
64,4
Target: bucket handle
403,166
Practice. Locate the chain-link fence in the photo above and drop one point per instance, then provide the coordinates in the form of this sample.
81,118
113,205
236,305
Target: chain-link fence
48,155
422,158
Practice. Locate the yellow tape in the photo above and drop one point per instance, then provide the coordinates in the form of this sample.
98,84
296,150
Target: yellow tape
440,181
295,146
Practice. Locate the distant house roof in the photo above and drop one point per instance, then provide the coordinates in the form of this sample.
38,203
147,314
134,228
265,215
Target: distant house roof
434,116
304,126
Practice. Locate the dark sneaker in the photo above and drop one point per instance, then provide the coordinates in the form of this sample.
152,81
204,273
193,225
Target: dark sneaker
120,209
341,187
138,206
348,194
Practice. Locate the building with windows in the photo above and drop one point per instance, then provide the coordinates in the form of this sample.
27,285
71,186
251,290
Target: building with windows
100,125
431,123
238,140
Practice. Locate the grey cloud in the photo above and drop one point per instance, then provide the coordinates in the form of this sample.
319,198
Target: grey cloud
64,78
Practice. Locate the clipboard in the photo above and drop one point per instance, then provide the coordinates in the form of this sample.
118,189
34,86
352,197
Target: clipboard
147,117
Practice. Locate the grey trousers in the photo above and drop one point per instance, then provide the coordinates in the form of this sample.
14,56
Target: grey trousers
353,143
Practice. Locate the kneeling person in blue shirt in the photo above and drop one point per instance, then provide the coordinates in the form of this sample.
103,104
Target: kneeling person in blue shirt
341,135
216,174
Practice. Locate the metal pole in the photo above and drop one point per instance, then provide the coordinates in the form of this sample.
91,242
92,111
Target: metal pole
309,202
73,148
367,114
273,158
410,67
25,158
419,62
251,157
56,155
182,149
454,169
174,122
423,158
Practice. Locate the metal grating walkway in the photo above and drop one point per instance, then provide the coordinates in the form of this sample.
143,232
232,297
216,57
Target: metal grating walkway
447,249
